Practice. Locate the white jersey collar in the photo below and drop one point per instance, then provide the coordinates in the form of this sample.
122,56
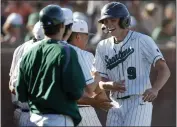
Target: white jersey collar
125,39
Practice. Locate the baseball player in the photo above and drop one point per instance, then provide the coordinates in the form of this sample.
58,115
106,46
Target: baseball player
46,73
21,113
125,60
78,30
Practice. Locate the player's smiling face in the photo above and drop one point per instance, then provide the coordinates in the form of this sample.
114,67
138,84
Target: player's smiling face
112,25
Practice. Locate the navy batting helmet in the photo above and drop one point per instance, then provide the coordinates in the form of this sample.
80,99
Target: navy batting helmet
116,10
51,15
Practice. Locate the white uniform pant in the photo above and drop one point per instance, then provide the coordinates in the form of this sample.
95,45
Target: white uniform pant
25,119
132,112
22,118
51,120
89,117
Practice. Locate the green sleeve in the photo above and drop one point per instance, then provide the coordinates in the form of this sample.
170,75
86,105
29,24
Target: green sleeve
73,78
21,87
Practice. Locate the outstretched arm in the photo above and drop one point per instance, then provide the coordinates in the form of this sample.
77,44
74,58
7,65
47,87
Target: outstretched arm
162,77
105,84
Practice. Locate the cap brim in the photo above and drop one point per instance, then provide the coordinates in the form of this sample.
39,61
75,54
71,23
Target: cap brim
67,21
105,17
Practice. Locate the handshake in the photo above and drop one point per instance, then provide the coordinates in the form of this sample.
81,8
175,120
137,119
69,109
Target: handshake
109,85
113,86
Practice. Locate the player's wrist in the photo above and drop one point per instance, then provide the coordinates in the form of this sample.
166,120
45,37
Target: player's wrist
155,88
106,85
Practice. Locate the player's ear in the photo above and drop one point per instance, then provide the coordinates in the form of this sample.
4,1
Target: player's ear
78,36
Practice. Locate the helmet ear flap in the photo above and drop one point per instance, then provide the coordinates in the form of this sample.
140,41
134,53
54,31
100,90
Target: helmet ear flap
124,22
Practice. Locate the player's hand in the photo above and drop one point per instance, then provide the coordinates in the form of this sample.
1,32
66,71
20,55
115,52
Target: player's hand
96,76
150,94
101,96
113,86
12,89
119,86
106,105
102,104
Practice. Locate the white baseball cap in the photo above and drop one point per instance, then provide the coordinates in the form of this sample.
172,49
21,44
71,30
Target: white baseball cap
68,15
80,15
38,31
15,19
80,26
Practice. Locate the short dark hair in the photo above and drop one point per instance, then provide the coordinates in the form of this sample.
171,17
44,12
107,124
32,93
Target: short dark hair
52,30
68,27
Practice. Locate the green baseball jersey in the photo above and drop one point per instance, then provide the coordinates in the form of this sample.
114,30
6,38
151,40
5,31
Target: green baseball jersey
51,80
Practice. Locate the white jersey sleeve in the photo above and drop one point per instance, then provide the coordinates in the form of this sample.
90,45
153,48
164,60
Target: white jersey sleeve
18,53
99,63
14,60
13,70
90,60
85,62
150,50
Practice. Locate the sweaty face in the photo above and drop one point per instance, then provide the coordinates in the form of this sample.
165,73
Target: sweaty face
112,25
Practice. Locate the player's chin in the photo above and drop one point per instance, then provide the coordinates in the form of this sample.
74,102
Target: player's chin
113,33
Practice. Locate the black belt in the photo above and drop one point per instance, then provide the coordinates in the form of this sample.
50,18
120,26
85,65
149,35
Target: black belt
18,107
125,97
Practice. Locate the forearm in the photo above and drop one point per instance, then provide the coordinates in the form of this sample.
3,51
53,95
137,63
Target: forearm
102,94
86,101
90,88
162,77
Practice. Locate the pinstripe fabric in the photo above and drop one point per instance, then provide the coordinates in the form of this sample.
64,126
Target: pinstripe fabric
51,120
89,117
86,61
145,53
129,60
133,112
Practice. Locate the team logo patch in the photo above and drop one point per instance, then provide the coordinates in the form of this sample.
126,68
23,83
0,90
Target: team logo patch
81,29
118,58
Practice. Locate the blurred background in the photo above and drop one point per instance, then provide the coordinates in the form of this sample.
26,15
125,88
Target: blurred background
155,18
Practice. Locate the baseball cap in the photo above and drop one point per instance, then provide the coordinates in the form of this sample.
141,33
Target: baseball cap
15,19
68,16
80,26
38,31
80,15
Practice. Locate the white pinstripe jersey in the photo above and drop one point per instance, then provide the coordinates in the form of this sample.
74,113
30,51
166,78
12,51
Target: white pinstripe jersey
86,62
17,56
18,53
129,60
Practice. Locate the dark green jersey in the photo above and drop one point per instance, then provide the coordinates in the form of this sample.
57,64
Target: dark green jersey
51,80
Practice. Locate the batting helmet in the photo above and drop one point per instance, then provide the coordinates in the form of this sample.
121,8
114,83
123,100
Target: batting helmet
116,10
51,15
